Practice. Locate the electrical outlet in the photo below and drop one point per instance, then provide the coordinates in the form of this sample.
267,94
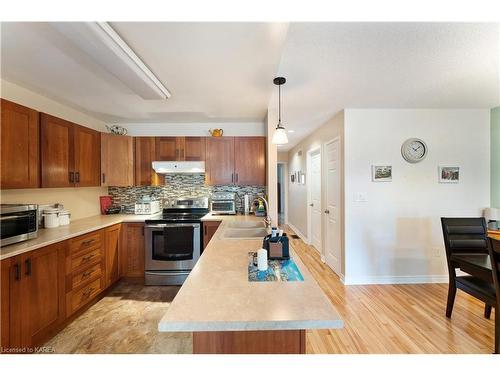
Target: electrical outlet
437,252
360,197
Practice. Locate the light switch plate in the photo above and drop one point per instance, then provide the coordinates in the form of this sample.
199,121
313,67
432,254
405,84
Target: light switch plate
360,197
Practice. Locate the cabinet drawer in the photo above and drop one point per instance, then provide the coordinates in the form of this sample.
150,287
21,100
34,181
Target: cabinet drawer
86,275
85,258
85,242
80,297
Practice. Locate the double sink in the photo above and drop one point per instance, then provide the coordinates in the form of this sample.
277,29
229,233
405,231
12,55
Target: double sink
244,230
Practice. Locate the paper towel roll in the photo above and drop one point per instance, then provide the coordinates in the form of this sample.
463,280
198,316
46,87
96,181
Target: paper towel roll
262,260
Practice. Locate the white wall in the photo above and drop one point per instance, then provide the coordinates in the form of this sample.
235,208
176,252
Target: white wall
297,161
196,129
82,202
396,235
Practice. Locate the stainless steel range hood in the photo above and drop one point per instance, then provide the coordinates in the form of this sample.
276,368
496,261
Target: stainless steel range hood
165,167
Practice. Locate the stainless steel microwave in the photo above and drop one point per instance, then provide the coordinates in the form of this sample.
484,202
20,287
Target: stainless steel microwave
19,222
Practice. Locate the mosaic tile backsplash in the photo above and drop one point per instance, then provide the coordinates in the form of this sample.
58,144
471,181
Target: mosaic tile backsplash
188,185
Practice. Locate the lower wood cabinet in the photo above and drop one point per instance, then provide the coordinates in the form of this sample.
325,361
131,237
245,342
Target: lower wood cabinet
112,250
209,229
33,305
132,250
42,289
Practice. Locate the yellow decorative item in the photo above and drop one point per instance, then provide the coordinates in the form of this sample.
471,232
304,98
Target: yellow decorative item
216,132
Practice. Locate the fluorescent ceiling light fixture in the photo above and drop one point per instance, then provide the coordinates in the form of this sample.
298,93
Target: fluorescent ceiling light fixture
110,51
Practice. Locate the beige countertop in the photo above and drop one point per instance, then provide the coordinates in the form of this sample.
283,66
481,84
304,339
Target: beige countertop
217,295
75,228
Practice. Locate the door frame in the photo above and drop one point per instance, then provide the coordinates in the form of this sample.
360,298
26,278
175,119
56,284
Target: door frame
341,202
285,189
309,154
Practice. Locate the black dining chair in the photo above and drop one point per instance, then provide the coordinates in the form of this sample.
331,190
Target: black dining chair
495,267
467,237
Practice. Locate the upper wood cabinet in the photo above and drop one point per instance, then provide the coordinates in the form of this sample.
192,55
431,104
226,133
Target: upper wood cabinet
145,154
70,154
194,149
219,165
87,152
167,148
117,160
180,148
250,161
20,166
236,160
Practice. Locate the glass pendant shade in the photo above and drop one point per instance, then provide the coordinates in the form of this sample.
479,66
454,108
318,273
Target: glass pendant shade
279,136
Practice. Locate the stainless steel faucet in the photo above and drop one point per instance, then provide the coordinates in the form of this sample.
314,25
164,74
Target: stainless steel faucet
267,219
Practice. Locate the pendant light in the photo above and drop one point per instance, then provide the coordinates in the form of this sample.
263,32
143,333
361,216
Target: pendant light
279,136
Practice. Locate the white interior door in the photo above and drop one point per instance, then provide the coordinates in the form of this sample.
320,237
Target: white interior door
315,200
333,256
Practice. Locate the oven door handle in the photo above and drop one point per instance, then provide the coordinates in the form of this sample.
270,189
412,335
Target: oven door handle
163,273
194,225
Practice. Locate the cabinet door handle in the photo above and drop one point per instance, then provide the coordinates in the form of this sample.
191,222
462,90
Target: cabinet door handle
103,178
206,232
72,177
87,242
236,177
77,177
232,177
27,264
17,272
327,211
87,258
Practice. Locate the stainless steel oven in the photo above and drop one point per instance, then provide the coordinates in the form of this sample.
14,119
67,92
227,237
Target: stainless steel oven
19,222
173,241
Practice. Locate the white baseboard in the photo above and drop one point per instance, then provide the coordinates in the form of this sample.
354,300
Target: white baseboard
418,279
298,233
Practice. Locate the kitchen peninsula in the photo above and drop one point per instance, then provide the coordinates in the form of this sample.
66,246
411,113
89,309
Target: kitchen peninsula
228,314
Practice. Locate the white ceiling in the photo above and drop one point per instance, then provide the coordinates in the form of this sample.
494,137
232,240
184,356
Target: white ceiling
222,72
332,66
216,72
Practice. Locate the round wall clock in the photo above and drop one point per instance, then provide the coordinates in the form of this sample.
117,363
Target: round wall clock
414,150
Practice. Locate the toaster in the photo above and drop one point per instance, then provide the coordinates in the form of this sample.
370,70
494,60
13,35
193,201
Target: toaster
147,208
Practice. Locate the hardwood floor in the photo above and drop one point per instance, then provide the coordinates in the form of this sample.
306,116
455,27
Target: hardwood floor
378,319
396,318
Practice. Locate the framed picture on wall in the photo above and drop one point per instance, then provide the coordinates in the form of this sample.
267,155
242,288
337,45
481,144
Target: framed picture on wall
449,175
381,173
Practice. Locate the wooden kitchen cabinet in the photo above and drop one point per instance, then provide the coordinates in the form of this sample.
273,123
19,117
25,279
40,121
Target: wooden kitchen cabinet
111,250
180,148
209,229
87,154
33,292
219,165
194,149
20,146
43,293
11,303
117,160
70,154
145,154
250,161
167,148
132,250
57,161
